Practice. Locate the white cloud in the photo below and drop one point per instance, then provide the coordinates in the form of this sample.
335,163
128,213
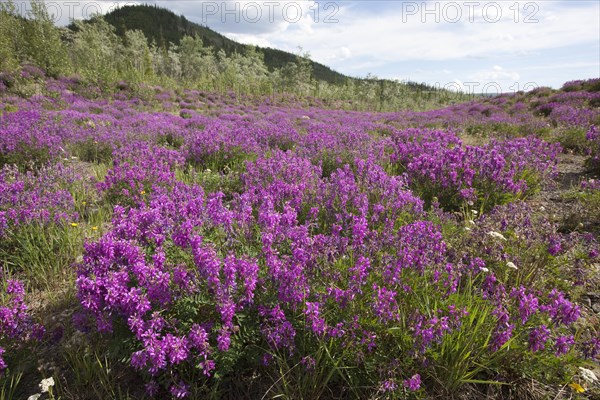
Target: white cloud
496,74
63,12
383,37
255,40
248,17
340,54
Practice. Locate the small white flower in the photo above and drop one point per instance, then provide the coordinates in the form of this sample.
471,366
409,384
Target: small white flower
588,375
34,396
467,229
542,208
512,265
46,384
496,235
474,212
484,269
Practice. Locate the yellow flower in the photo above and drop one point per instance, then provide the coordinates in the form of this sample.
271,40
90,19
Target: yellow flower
94,228
143,192
577,387
83,203
74,224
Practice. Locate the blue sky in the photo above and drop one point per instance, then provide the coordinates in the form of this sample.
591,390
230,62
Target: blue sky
489,45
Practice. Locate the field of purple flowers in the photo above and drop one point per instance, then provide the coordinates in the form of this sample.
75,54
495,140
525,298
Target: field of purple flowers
183,244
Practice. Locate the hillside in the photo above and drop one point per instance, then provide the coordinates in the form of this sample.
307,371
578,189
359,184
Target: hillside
162,27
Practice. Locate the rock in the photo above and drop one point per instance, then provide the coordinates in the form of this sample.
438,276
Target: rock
586,301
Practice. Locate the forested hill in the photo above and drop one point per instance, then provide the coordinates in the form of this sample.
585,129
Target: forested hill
163,27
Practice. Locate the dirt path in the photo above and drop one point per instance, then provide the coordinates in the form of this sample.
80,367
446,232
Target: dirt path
561,206
554,200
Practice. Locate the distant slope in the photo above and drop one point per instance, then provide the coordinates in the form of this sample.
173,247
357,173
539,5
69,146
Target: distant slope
163,27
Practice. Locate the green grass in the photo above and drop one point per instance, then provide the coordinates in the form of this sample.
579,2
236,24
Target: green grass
43,253
9,384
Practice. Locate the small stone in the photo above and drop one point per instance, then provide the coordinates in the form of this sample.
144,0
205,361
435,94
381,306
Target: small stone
586,301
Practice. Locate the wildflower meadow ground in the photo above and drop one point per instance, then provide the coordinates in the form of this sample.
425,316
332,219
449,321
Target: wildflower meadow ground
160,243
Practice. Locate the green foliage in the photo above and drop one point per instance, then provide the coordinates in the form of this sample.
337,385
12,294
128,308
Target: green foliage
35,40
171,140
44,253
330,162
311,377
11,36
97,51
44,45
228,182
93,151
224,160
95,373
137,58
497,130
198,62
584,211
573,139
9,383
26,157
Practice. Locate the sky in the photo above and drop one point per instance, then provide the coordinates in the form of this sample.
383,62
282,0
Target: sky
480,46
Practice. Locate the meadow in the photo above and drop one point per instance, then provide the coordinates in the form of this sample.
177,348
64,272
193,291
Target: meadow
162,243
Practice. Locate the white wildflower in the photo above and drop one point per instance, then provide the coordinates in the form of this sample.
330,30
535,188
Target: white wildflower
588,375
467,229
46,384
34,396
496,235
484,269
512,265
